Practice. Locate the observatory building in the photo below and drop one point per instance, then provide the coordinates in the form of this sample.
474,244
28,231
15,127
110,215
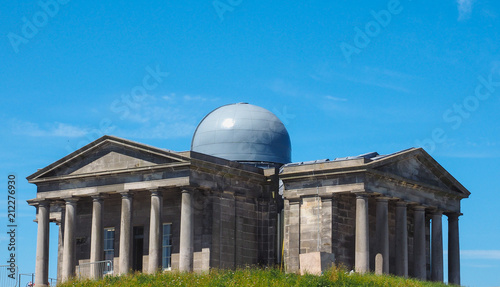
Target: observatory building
237,199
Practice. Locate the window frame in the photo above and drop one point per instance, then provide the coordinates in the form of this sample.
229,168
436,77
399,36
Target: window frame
107,230
167,246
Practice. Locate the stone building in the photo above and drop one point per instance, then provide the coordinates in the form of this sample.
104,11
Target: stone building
235,199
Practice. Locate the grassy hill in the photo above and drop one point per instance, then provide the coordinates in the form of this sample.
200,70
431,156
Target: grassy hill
251,277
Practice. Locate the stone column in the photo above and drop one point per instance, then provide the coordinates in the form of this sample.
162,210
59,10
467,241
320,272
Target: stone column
42,245
453,249
401,240
126,232
186,236
155,231
382,229
60,244
437,247
96,237
59,250
69,260
419,251
362,252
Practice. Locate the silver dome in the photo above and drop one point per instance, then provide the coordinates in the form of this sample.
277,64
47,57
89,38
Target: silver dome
245,133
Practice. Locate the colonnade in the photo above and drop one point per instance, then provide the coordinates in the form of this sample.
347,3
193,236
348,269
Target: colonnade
362,263
67,241
362,251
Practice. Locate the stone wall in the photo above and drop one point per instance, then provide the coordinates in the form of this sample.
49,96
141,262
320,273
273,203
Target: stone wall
344,218
234,231
315,224
292,235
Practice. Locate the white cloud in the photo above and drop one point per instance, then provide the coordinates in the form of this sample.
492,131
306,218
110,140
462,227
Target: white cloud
65,130
282,87
332,98
394,74
164,117
172,97
49,130
480,254
169,97
482,266
161,130
464,8
372,76
194,98
466,148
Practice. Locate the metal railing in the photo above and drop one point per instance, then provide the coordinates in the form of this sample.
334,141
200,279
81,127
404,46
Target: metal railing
94,270
30,281
8,275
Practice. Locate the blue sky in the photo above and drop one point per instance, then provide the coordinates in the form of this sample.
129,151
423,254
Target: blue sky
346,77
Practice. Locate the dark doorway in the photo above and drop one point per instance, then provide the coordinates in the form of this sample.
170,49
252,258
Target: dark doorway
138,248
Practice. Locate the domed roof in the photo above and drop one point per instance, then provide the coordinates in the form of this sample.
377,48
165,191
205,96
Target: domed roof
245,133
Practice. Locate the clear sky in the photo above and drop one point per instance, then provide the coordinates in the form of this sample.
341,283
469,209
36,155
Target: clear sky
346,77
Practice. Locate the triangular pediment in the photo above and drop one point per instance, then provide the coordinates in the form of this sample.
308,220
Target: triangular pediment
417,166
107,155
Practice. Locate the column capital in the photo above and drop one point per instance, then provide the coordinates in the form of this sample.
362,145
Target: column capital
436,212
44,203
419,208
401,203
382,199
361,194
188,189
126,194
453,215
97,197
70,200
156,192
38,202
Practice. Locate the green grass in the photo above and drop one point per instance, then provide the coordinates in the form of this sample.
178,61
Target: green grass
251,277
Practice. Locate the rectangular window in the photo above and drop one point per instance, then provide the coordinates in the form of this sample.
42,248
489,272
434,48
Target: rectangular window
109,243
166,246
